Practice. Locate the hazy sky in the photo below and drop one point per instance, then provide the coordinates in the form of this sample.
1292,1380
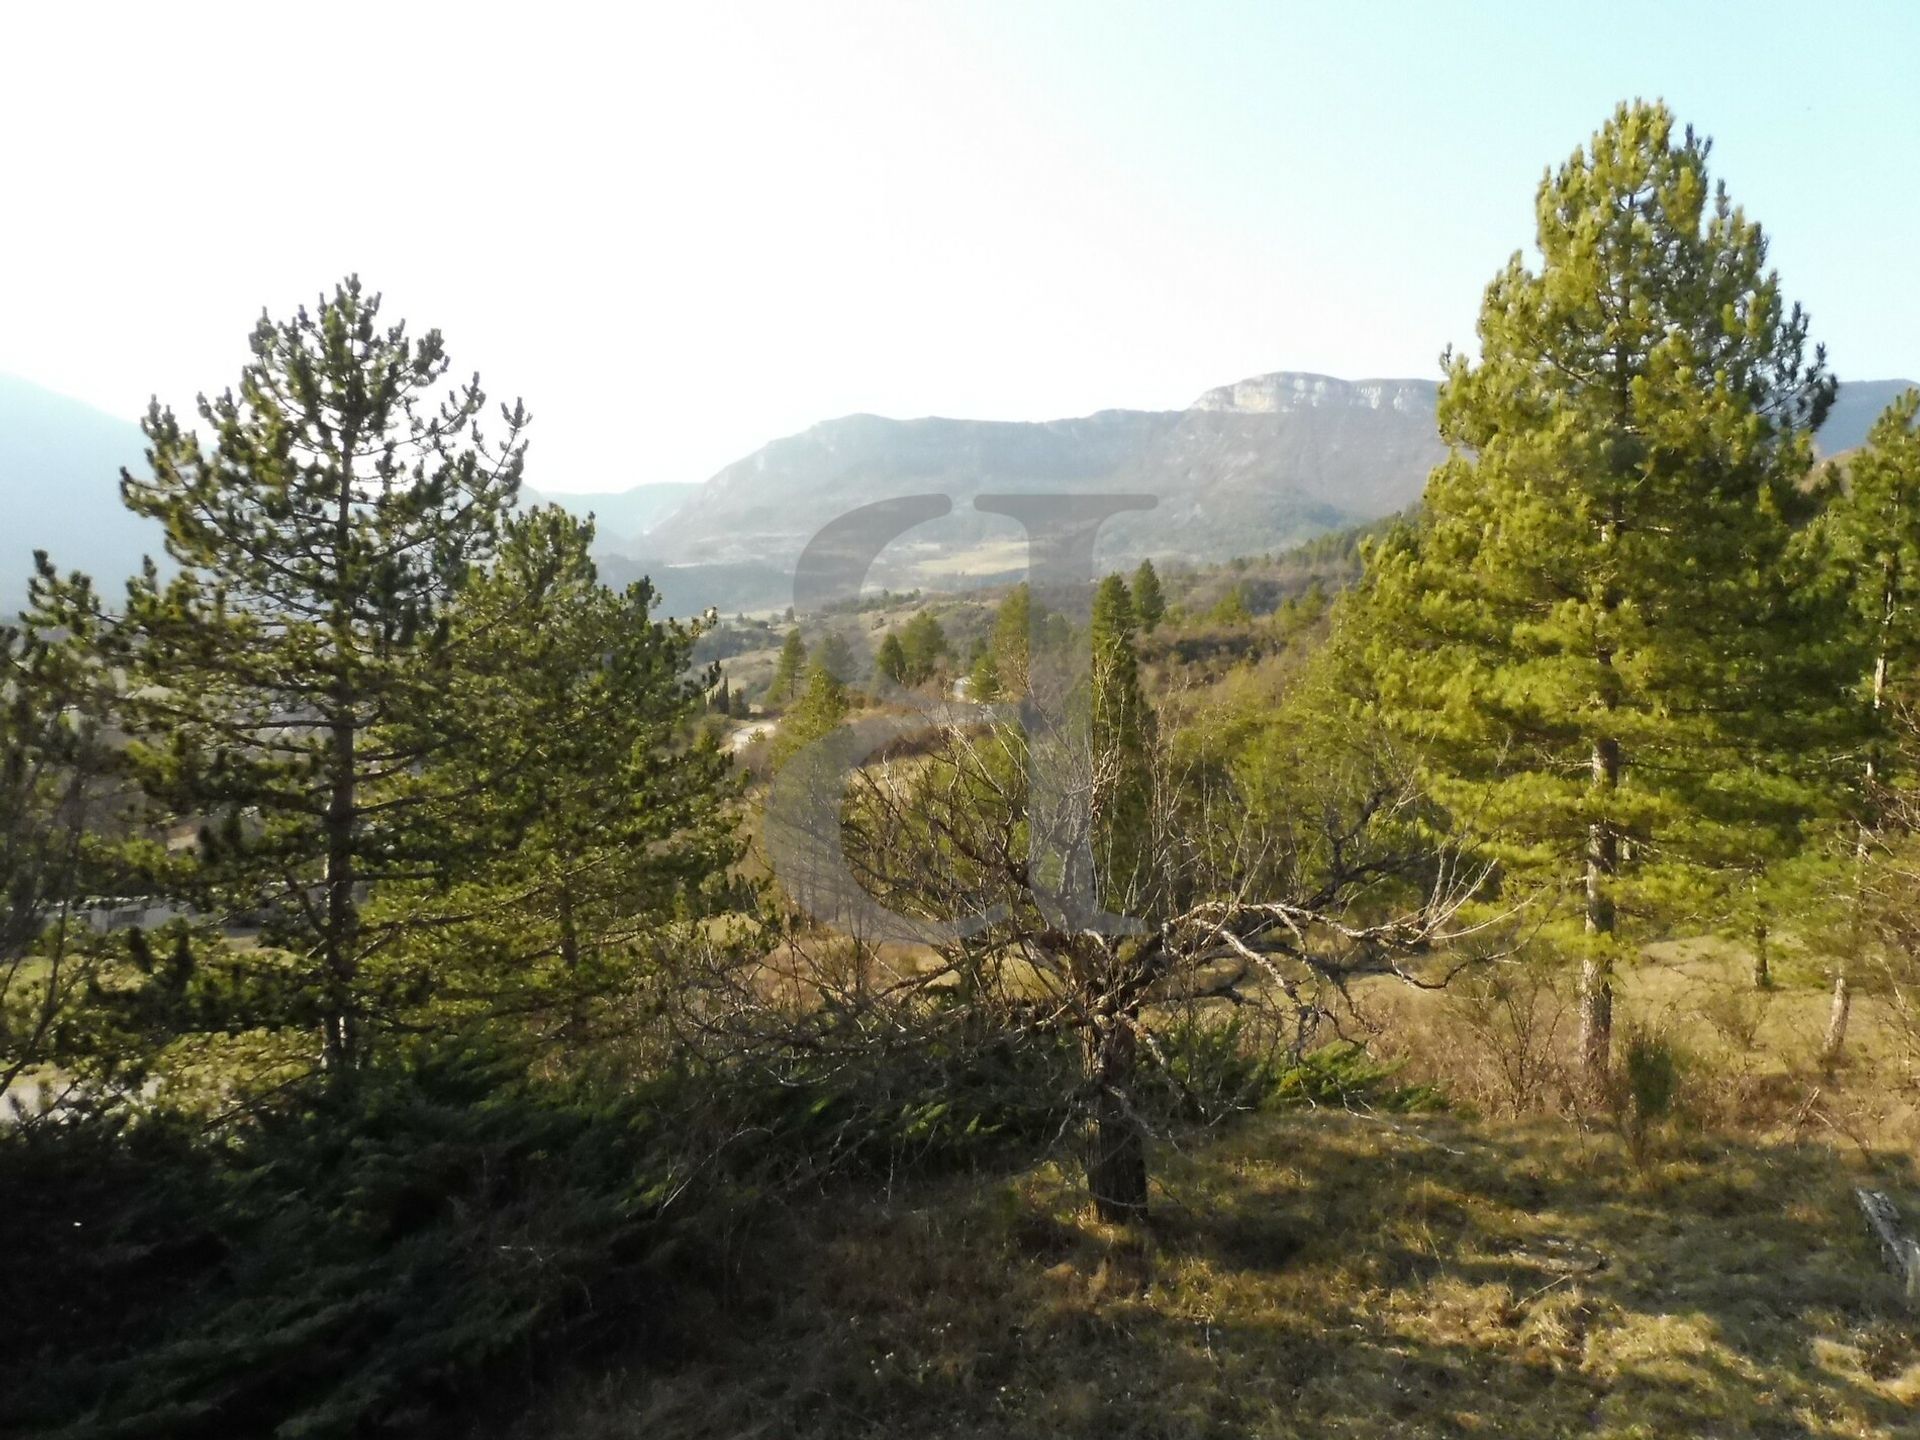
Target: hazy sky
681,230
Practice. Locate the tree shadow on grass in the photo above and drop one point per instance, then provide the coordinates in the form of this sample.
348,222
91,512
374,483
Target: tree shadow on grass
1323,1275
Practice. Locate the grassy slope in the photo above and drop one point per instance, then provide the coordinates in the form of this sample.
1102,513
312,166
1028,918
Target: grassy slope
1334,1275
1321,1274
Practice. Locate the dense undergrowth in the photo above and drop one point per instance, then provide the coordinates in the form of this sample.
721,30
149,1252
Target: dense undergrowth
384,1257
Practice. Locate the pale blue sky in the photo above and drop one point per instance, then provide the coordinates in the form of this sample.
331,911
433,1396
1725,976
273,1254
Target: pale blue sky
688,229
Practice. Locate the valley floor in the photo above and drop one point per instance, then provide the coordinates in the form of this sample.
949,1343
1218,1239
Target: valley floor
1319,1273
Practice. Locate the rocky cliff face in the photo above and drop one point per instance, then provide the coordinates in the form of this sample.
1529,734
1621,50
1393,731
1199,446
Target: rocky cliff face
1287,392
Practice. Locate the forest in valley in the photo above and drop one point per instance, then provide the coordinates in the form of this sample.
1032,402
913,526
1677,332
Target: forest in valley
1449,977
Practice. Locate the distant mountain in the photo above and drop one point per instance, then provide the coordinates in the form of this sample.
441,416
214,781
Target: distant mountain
1245,468
622,516
1859,404
60,463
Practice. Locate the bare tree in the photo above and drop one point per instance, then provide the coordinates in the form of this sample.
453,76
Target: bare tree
977,870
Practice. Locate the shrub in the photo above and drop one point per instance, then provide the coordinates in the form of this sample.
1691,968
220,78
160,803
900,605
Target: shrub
1212,1070
1344,1074
348,1264
934,1103
1644,1090
1513,1020
368,1259
1736,1014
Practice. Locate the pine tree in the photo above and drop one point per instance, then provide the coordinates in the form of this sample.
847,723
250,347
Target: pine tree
297,662
924,643
890,660
1231,608
1875,526
788,669
1313,604
821,708
1149,600
1120,731
1011,641
1120,815
834,655
57,792
584,824
1599,631
983,675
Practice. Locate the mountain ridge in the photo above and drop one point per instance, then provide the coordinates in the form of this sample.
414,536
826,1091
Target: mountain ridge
1254,465
1250,466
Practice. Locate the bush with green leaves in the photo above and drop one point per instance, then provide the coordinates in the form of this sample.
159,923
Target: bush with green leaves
350,1264
376,1257
1644,1091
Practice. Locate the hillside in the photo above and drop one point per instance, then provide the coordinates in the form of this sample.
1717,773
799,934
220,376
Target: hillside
623,516
1858,405
60,462
1247,467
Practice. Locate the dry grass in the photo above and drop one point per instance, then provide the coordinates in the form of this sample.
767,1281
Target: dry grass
1752,1056
1328,1274
1318,1274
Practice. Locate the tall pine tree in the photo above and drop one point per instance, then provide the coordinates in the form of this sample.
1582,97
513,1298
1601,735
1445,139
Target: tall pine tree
588,832
1149,600
1599,630
1875,524
290,673
787,669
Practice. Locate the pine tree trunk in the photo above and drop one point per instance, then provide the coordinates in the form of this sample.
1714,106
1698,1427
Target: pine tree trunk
1596,1020
569,932
342,912
1603,845
1762,971
1836,1041
1596,973
342,905
570,957
1116,1147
